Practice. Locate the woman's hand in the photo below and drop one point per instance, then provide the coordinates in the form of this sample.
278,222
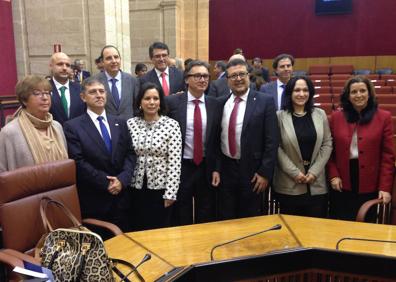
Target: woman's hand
310,178
336,184
168,203
385,196
300,178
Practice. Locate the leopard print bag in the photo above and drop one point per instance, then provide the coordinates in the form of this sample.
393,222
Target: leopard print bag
73,254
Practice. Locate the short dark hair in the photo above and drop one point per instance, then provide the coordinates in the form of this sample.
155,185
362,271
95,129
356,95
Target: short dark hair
195,63
187,61
281,57
140,67
238,51
147,86
98,60
221,65
108,46
258,59
88,82
368,112
157,45
288,106
237,62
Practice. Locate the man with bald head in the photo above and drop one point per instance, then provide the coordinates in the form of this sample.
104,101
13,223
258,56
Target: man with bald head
65,96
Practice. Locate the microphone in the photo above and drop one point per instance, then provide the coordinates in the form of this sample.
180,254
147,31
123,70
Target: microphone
146,258
362,239
275,227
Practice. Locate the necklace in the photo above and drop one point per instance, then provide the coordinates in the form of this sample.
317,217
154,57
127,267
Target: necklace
299,114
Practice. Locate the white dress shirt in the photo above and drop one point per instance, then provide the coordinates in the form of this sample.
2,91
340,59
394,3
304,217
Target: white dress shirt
228,107
58,85
189,141
166,71
280,91
118,83
94,118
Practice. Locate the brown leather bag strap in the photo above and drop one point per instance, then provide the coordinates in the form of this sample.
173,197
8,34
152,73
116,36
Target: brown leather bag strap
43,209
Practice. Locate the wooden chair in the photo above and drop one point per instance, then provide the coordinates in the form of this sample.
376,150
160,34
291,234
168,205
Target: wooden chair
21,191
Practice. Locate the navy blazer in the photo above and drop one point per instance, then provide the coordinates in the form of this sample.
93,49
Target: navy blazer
77,106
176,80
177,106
259,137
94,162
272,90
219,87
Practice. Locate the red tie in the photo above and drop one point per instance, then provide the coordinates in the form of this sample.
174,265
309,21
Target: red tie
232,127
198,148
164,84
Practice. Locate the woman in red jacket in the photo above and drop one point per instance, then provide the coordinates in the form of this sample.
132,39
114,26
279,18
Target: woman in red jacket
362,163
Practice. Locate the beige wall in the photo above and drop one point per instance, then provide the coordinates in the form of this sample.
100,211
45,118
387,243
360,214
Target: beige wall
82,27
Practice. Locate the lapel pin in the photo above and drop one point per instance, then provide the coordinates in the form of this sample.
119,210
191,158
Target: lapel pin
254,99
116,124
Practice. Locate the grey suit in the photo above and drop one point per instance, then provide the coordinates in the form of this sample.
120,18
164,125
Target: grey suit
219,87
272,90
129,91
290,160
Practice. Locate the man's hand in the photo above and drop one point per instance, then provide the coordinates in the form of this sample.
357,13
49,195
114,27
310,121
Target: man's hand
115,186
215,179
168,203
260,183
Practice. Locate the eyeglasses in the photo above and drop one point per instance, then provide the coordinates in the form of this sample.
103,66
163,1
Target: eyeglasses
235,76
159,56
41,94
199,76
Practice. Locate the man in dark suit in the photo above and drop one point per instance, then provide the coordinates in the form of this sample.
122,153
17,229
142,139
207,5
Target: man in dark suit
257,64
283,67
121,87
170,79
249,145
101,146
79,73
65,96
199,118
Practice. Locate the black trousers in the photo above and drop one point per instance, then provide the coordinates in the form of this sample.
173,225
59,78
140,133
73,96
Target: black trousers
303,205
148,211
345,205
194,184
236,198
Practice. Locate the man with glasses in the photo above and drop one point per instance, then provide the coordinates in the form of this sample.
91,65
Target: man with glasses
65,96
249,145
170,79
199,118
283,67
101,146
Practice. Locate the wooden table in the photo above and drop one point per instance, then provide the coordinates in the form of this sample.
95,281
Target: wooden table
186,245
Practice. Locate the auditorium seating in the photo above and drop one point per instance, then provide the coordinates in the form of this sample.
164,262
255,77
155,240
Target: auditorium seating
322,89
319,69
323,98
383,71
341,69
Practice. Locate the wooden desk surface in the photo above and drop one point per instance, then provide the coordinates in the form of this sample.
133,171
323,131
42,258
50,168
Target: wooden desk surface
186,245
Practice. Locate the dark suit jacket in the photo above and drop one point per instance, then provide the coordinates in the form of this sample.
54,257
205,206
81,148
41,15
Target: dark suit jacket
129,91
259,137
85,75
177,106
77,106
272,90
176,80
219,87
94,162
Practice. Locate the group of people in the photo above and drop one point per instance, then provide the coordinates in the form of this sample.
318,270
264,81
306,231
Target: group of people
157,151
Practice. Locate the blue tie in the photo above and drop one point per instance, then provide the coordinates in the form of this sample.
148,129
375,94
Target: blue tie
114,92
105,134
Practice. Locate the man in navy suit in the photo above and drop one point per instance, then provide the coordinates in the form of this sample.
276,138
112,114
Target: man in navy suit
169,78
79,73
283,67
101,146
249,145
121,87
199,118
65,96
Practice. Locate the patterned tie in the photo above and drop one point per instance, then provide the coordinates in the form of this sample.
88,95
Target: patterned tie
105,134
114,92
198,147
63,100
164,84
232,128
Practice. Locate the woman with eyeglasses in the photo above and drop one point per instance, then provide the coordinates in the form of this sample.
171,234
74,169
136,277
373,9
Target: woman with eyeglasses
32,137
306,144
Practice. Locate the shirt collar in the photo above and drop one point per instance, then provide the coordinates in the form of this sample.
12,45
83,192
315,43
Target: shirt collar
160,72
59,85
109,77
94,116
243,97
190,97
279,83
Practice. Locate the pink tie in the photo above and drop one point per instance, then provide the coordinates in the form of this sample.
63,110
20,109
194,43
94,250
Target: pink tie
164,84
232,127
198,148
